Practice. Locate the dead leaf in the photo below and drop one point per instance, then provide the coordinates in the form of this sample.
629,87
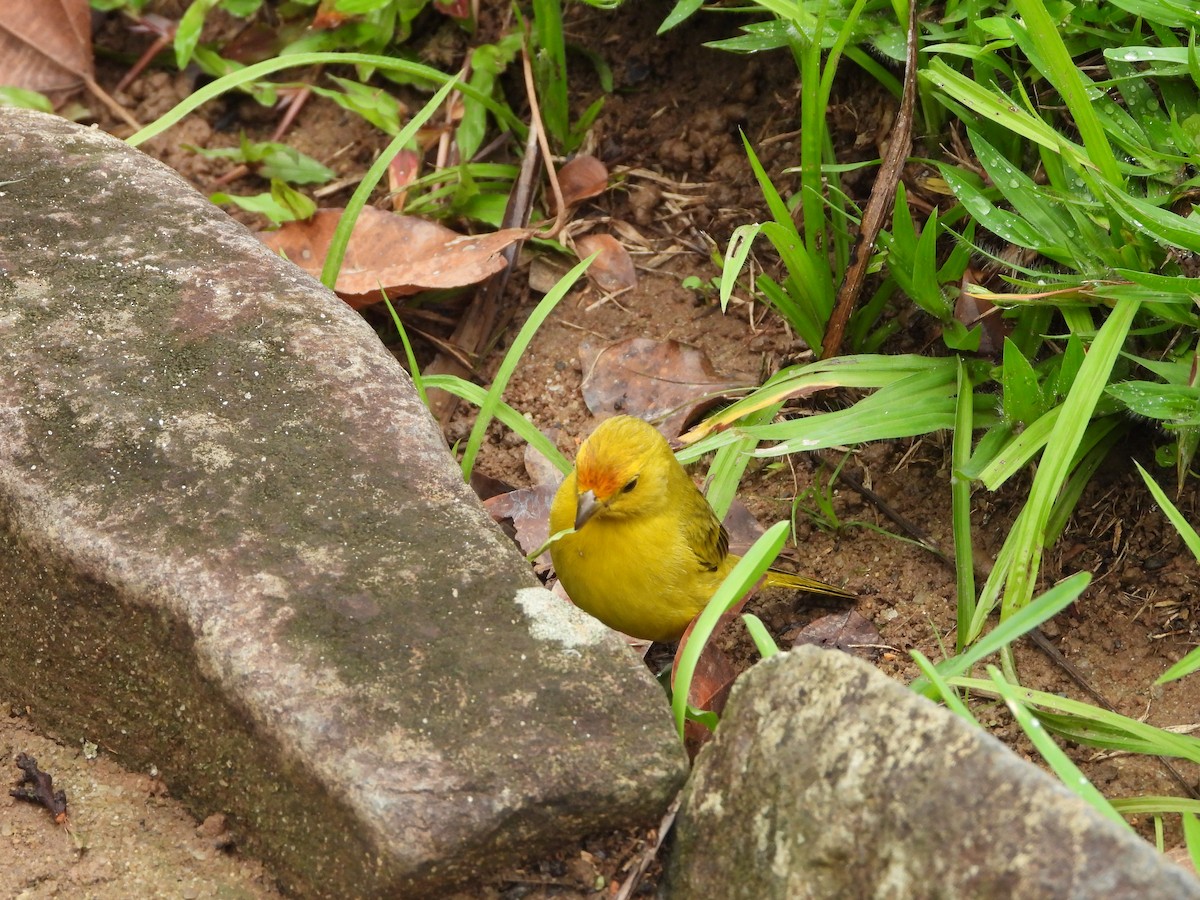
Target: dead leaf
46,45
328,17
612,269
848,631
973,310
486,487
528,511
652,379
742,527
581,178
402,171
545,272
402,254
455,9
540,469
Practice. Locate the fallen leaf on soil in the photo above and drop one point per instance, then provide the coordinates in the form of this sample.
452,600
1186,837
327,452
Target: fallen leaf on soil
528,509
581,178
37,787
846,631
649,379
545,272
46,45
540,469
402,254
402,171
974,310
329,17
741,526
486,487
612,269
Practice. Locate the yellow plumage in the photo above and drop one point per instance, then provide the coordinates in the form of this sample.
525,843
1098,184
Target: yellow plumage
647,552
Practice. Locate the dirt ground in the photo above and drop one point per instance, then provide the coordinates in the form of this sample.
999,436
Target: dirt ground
670,133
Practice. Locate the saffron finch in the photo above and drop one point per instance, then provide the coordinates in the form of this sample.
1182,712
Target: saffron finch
647,552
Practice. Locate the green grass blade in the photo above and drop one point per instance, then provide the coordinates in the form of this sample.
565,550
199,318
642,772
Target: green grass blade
1062,72
508,416
1044,607
414,370
1058,761
943,689
747,571
1028,537
1146,806
1094,726
299,60
760,635
960,507
508,365
341,234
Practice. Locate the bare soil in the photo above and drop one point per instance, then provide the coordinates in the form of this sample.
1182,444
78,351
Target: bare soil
670,131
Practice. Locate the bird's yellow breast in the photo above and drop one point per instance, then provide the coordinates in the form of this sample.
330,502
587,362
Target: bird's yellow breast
636,573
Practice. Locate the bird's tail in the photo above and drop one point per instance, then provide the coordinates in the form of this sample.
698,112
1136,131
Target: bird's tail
775,578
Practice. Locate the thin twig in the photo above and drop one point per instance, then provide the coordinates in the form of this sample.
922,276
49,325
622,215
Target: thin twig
882,199
535,124
648,855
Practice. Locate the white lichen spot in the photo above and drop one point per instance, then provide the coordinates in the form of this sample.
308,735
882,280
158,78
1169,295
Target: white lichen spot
553,619
712,803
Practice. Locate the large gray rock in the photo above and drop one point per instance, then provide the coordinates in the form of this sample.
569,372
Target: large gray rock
233,547
827,779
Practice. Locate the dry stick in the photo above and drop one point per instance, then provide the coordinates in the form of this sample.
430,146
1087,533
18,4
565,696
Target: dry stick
1043,643
113,106
898,520
882,199
535,124
164,30
647,856
478,322
1035,635
295,104
444,139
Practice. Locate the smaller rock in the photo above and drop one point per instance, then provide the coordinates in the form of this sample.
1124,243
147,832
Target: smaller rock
213,826
828,779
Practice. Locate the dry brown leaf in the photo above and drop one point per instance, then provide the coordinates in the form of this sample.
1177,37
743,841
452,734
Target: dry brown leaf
46,45
528,511
540,469
401,254
848,631
651,379
402,172
328,17
974,310
741,526
612,269
581,178
544,272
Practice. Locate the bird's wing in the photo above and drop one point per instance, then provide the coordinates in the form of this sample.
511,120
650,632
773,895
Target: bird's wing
705,535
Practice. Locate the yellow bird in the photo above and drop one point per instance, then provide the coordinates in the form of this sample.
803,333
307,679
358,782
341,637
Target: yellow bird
647,552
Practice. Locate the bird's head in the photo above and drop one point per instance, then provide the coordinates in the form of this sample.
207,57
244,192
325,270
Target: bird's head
622,470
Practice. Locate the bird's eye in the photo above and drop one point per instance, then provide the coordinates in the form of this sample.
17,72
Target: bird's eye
630,486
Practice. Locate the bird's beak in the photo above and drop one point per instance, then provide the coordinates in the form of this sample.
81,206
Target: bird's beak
585,507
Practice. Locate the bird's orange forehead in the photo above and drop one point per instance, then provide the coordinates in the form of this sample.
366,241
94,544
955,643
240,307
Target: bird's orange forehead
600,476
